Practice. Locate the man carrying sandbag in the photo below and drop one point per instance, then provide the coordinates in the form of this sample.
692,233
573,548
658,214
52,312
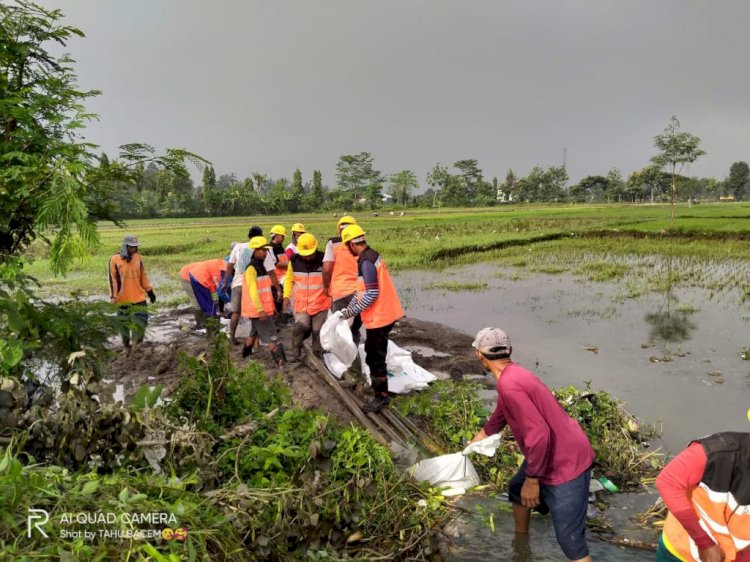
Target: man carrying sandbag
555,474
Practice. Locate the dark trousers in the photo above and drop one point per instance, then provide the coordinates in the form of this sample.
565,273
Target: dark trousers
376,351
341,304
137,314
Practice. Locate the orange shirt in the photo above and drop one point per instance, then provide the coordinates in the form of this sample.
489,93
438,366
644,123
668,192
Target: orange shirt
207,273
128,282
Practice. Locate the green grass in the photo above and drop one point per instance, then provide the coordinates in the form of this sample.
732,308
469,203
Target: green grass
597,242
457,286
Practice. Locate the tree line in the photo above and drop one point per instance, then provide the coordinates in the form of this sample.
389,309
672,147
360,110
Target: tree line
153,190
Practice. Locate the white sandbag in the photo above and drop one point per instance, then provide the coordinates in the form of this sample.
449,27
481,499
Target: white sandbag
336,337
453,471
486,446
403,374
334,365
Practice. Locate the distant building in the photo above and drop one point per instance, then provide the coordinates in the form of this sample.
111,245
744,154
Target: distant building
726,198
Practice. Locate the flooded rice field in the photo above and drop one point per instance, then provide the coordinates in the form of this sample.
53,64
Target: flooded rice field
674,357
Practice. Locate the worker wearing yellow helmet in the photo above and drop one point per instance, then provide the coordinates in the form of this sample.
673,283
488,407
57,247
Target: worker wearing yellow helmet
258,303
278,234
298,229
304,281
340,274
378,303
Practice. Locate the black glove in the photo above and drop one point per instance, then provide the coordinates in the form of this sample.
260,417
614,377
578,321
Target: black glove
345,314
152,296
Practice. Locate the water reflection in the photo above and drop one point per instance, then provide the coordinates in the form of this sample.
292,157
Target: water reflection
668,323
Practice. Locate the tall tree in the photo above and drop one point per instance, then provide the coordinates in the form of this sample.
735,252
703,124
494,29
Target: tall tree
297,199
210,198
738,182
402,184
676,148
357,175
317,195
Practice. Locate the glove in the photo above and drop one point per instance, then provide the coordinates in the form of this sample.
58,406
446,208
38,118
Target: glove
345,314
152,296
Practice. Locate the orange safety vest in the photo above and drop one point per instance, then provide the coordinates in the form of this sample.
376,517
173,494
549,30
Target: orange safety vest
207,273
721,500
264,284
281,261
128,282
387,307
344,275
309,294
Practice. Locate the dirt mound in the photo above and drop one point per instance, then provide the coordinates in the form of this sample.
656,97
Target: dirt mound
436,347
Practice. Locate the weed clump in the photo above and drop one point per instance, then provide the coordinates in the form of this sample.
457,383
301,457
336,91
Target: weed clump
453,413
247,474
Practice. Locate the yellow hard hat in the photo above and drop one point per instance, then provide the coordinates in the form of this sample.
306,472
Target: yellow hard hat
278,229
298,227
306,244
258,242
351,232
346,219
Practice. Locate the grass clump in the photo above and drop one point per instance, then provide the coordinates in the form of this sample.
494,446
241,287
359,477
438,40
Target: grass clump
457,286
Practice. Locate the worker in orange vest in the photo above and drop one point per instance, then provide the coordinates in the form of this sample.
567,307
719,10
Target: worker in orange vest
378,303
201,281
340,274
258,303
278,234
707,491
304,275
128,287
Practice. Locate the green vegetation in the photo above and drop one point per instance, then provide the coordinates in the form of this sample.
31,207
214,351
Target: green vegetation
599,243
249,476
453,413
457,286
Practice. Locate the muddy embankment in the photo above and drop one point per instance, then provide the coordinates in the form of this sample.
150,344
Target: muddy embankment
438,348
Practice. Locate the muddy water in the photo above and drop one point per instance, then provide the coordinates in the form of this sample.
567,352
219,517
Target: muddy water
672,357
681,369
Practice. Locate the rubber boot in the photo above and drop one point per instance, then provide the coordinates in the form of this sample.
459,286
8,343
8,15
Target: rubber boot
278,355
200,320
126,343
316,346
298,336
247,349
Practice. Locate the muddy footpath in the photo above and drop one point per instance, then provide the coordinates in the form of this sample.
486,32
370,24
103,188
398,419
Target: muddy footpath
444,351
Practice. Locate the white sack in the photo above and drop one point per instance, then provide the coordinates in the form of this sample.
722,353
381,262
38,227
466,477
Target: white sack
447,471
336,337
403,374
486,446
334,365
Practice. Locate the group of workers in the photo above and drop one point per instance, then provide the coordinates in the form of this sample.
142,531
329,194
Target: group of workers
266,283
706,487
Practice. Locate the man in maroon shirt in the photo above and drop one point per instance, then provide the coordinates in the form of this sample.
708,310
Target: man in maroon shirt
554,477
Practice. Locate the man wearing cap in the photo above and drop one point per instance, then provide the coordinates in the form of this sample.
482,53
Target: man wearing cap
258,304
555,474
378,303
311,302
706,489
298,229
238,262
340,274
128,287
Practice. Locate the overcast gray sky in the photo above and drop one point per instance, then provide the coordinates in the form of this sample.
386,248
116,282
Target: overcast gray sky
274,85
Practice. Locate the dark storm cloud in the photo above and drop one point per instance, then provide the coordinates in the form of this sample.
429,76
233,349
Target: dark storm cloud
271,86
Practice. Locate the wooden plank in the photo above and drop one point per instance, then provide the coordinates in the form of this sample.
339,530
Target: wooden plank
316,365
